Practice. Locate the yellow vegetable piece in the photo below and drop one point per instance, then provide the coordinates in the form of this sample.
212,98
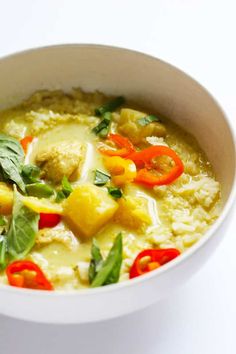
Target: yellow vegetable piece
122,170
42,205
88,208
133,212
131,114
133,209
6,199
130,127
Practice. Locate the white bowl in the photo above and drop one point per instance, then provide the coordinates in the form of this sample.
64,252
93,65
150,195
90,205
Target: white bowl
160,87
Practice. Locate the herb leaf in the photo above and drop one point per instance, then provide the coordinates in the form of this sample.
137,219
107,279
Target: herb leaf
66,186
109,272
11,158
60,196
110,106
3,251
30,174
115,192
101,178
65,191
147,120
40,190
3,221
96,261
102,129
23,229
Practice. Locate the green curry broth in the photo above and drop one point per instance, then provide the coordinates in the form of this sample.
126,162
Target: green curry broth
179,213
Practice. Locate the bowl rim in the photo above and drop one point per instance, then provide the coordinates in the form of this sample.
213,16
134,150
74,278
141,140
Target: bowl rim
177,261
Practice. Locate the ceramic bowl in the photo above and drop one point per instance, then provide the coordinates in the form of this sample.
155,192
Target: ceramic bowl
161,87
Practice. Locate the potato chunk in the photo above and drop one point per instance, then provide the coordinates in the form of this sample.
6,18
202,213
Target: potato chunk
130,127
61,159
6,199
133,210
88,208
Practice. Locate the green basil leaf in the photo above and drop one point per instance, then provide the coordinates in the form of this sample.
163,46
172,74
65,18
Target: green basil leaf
66,186
65,191
115,192
102,129
30,173
147,120
110,106
3,251
3,220
40,190
109,272
101,178
23,229
11,159
60,196
96,261
104,132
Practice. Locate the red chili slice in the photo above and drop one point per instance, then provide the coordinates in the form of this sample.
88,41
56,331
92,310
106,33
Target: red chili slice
25,142
124,143
48,220
155,259
27,274
143,160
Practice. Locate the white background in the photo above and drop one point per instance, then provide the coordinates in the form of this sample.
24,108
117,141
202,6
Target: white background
199,37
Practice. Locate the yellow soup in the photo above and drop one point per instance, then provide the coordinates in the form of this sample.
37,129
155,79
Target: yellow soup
94,188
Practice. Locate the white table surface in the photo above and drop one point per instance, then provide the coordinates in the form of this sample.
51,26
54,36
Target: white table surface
199,37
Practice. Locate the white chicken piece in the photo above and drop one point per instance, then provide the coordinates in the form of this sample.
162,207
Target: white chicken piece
66,237
61,159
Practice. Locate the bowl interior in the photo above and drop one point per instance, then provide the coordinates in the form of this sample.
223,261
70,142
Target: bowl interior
159,87
148,81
